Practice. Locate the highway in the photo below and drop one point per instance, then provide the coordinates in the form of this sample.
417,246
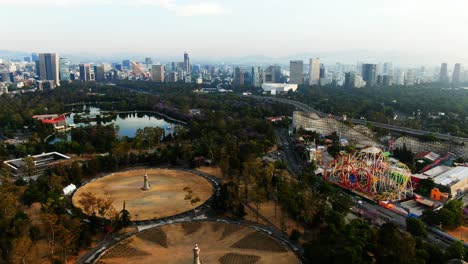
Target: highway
409,131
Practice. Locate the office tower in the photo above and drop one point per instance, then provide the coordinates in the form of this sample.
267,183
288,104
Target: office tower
314,71
387,68
296,68
49,67
5,76
126,64
27,59
117,66
187,66
387,80
239,77
456,76
409,78
173,77
99,73
157,73
196,68
34,57
323,71
255,77
64,69
369,74
443,77
272,74
350,80
85,72
148,62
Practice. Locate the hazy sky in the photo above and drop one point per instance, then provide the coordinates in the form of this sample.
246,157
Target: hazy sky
208,28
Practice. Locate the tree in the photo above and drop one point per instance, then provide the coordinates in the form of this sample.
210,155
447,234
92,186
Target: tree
93,205
21,249
426,186
124,219
191,197
455,251
29,166
416,227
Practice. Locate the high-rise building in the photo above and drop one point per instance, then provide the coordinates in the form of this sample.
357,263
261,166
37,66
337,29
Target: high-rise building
272,74
409,78
314,71
148,62
350,80
456,76
296,69
369,74
255,77
34,57
443,77
126,64
99,73
64,69
85,72
387,68
173,77
27,59
158,73
187,66
49,67
239,78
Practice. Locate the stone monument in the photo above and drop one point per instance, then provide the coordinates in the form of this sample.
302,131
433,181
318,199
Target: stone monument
146,184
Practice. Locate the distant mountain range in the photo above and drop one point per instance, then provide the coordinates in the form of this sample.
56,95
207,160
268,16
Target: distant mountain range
346,57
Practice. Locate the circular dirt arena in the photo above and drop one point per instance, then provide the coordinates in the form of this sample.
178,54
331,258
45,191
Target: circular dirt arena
164,198
218,242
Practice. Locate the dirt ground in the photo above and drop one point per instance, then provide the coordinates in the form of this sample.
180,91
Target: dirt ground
267,209
165,198
460,233
218,243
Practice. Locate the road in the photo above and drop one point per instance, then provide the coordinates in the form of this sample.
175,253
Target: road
410,131
293,163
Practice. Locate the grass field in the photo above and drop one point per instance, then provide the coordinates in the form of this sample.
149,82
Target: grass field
165,198
218,242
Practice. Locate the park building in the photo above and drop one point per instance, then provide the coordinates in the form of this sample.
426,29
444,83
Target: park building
275,88
34,166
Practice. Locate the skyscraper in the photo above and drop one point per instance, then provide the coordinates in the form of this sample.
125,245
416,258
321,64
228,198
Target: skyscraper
49,67
272,74
187,66
443,77
126,64
350,80
148,62
314,71
239,78
409,78
158,73
99,73
85,72
296,68
456,76
255,77
369,74
64,69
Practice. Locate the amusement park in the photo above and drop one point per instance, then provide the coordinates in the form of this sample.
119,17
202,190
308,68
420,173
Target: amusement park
371,173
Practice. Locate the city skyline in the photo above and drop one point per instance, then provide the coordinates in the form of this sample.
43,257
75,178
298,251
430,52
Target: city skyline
418,30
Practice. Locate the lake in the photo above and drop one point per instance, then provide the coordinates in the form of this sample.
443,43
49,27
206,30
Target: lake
128,123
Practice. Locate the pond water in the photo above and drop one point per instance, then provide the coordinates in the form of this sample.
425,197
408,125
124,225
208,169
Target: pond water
128,123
